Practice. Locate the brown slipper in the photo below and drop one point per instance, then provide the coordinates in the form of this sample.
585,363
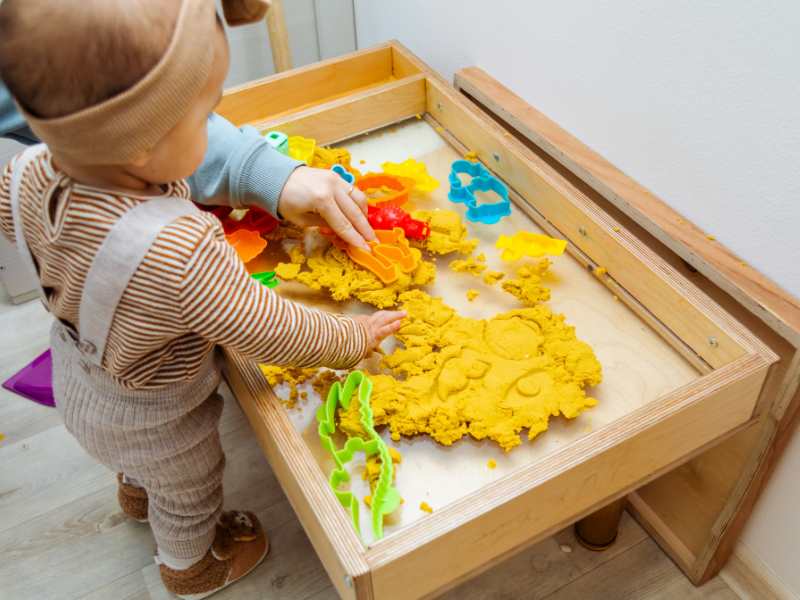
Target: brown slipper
239,547
132,499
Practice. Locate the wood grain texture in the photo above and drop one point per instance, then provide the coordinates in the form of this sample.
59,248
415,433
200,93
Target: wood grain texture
356,113
761,295
534,502
623,579
638,367
278,37
323,518
305,86
622,294
718,339
750,579
726,481
737,363
548,566
92,552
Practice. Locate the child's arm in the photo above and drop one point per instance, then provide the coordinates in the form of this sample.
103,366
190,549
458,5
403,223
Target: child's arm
222,303
240,168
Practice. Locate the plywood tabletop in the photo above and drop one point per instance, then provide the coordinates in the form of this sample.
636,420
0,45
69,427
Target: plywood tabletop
638,365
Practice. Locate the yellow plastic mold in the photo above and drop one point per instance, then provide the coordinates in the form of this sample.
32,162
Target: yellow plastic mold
414,170
301,148
526,243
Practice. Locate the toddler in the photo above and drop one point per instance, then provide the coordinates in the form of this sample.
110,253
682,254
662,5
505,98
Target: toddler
142,285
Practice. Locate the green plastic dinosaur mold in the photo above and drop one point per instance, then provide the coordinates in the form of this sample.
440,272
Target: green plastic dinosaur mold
385,497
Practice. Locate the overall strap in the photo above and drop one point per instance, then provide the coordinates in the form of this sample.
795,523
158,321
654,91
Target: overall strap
115,263
26,158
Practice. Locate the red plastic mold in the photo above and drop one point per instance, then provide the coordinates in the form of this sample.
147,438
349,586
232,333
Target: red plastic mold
254,219
390,216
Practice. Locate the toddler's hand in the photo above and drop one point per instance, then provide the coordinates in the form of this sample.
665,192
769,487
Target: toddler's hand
319,197
380,325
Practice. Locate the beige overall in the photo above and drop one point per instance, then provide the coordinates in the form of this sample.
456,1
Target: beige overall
164,440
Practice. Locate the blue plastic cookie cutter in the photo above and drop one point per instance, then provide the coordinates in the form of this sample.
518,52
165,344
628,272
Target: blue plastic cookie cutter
279,141
458,191
482,181
344,174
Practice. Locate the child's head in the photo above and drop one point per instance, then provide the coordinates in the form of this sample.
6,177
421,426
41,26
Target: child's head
116,83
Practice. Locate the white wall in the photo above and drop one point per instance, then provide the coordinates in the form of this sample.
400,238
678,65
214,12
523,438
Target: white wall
317,29
700,101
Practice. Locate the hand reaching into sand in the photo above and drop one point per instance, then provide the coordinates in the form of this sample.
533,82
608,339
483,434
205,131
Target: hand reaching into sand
319,197
380,325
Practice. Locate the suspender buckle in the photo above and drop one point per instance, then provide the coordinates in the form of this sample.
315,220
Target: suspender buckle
87,347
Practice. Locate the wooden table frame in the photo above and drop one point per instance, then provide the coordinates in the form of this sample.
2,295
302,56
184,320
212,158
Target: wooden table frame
696,512
373,88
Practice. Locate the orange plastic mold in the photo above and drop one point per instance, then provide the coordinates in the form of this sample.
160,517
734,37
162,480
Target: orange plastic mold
398,188
248,244
390,255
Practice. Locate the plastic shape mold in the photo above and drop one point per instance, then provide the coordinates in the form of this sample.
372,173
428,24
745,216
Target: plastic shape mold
414,170
278,140
399,186
344,174
482,181
526,243
389,217
385,497
266,278
248,244
390,255
301,148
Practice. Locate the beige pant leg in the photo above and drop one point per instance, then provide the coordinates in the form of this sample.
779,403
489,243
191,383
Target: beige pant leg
165,440
184,490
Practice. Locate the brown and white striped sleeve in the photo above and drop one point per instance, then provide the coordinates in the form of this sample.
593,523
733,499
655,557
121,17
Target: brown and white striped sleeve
221,302
6,221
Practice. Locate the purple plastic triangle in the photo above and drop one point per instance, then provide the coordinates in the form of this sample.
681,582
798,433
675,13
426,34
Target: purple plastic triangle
35,382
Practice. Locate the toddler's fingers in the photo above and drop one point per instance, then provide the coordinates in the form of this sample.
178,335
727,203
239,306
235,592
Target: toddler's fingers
381,333
353,213
389,315
388,321
337,221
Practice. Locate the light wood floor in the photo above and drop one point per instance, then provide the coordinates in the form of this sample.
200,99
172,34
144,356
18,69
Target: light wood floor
62,535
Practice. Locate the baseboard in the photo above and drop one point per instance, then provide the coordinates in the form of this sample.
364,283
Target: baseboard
751,579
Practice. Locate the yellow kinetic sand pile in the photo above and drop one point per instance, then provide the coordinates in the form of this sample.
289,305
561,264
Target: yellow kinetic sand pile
493,378
331,269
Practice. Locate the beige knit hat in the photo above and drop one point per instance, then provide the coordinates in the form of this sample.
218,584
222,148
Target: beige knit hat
120,129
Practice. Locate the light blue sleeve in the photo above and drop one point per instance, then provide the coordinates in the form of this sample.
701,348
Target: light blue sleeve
12,125
240,168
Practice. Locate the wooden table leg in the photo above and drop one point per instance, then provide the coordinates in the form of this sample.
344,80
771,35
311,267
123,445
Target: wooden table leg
598,531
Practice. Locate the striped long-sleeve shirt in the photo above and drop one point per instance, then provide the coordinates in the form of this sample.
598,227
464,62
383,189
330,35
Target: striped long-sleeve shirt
190,293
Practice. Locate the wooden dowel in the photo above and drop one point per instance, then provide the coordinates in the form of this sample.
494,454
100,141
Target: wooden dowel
278,37
598,531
